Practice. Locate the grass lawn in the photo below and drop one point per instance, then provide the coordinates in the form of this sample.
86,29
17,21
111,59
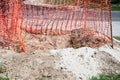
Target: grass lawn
1,78
106,77
115,7
117,37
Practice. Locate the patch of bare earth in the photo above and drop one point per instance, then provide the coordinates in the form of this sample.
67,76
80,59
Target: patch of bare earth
39,64
108,64
34,65
116,43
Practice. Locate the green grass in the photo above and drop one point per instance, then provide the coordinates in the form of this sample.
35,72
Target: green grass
106,77
115,7
39,78
1,78
1,69
117,37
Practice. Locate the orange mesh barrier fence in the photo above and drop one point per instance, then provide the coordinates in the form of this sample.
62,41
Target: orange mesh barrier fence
31,22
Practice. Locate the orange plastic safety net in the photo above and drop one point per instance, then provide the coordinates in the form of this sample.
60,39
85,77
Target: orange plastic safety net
24,23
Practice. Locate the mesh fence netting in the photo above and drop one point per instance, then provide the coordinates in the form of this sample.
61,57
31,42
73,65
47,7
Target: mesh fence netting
52,24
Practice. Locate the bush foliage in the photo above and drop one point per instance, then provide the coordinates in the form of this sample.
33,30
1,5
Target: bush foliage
115,1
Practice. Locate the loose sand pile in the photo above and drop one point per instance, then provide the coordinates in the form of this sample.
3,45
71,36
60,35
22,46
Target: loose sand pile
86,62
62,64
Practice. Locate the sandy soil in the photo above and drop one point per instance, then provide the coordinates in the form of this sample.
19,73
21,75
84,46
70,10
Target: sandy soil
40,62
41,65
34,65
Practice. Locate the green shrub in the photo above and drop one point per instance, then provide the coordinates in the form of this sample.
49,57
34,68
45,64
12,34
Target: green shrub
115,1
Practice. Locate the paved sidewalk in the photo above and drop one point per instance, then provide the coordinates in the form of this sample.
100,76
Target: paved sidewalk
116,23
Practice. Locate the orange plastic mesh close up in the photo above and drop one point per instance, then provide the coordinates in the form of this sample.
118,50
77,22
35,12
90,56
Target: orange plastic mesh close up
82,20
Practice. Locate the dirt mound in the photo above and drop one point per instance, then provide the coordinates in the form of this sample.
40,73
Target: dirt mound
35,65
39,64
86,37
76,39
108,64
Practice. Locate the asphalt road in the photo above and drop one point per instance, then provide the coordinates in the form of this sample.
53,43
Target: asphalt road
116,23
